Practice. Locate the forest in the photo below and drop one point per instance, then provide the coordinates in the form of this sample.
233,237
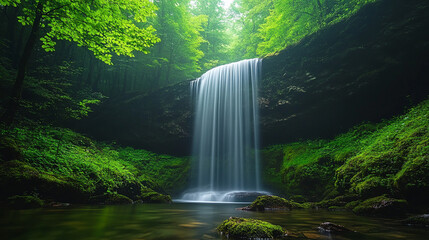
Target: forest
114,123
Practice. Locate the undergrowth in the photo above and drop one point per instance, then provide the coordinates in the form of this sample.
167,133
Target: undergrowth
391,157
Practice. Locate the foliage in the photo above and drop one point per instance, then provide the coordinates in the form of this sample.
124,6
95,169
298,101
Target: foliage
103,26
178,54
215,33
271,25
371,159
50,94
170,173
69,160
247,228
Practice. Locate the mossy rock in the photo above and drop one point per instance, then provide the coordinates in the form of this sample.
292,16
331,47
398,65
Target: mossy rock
339,201
150,183
372,187
413,179
9,149
382,206
352,204
118,199
25,202
419,220
150,196
268,202
246,228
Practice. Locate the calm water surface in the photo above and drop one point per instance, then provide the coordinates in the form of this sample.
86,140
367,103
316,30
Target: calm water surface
182,221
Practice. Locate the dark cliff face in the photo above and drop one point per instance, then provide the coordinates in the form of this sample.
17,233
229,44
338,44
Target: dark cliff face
366,68
159,121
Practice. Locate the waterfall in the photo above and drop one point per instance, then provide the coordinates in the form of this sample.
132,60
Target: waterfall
226,134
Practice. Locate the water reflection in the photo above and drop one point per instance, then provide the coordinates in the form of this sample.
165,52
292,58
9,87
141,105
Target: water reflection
183,221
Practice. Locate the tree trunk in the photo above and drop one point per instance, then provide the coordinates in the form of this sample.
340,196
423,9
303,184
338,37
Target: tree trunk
15,97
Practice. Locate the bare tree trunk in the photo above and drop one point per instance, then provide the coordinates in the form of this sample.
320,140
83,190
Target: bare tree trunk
15,97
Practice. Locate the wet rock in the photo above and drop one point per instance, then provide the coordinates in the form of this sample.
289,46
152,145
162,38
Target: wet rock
382,206
418,221
332,228
246,228
242,196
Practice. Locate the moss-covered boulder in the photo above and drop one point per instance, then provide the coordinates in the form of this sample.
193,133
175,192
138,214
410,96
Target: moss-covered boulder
382,206
245,228
269,202
339,201
413,179
24,202
352,204
150,196
118,199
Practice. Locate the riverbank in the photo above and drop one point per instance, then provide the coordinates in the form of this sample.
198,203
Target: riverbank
55,164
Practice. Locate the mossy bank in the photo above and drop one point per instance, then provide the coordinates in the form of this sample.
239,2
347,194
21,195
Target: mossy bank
391,157
57,164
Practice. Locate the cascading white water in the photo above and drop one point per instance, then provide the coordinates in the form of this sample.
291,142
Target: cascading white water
226,134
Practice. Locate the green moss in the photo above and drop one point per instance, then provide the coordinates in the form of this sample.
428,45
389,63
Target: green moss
372,186
150,196
118,199
391,157
413,179
339,201
352,204
382,206
25,202
171,173
272,202
61,165
245,228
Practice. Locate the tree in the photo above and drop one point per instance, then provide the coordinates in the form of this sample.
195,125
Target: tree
291,20
250,14
103,26
215,44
